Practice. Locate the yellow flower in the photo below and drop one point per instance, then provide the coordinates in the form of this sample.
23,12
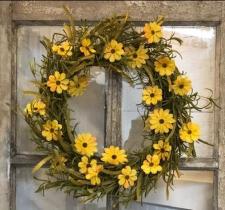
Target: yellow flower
93,173
28,109
86,47
64,49
58,82
114,155
160,120
137,57
151,95
127,177
165,66
52,130
151,164
162,149
85,144
190,132
182,85
58,162
152,32
36,106
78,85
84,164
113,51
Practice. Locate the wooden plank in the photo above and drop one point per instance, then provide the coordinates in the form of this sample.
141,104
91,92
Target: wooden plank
26,160
113,109
5,87
221,171
113,120
186,11
207,164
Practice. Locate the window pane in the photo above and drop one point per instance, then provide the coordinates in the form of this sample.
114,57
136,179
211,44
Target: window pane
198,51
192,191
88,110
26,198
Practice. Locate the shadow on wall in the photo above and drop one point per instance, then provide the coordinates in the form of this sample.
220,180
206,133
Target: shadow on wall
135,139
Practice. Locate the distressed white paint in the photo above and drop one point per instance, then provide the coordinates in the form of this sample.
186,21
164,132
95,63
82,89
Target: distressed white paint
5,112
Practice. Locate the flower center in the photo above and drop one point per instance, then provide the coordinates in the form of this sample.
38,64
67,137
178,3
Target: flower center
62,49
114,157
135,55
162,150
152,95
88,165
57,82
77,85
84,144
189,131
35,108
151,164
127,177
152,32
164,65
113,51
161,121
181,86
52,130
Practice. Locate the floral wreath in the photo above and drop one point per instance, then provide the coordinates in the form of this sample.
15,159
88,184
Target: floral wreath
145,58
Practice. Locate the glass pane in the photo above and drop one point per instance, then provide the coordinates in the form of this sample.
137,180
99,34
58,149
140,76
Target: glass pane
198,51
192,191
91,117
26,198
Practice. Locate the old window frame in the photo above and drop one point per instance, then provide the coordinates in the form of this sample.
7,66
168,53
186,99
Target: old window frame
199,13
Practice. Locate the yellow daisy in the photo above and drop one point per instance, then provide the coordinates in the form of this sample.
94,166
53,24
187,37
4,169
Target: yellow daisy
161,121
64,49
113,51
182,85
36,106
78,85
162,149
93,173
151,95
52,130
85,144
28,109
152,32
127,177
84,164
58,82
151,164
189,132
86,47
165,66
58,162
114,155
137,57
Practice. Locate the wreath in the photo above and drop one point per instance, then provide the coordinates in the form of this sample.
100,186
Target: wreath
146,58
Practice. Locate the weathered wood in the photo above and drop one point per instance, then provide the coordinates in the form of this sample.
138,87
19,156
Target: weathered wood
5,83
140,10
113,120
113,109
221,171
198,164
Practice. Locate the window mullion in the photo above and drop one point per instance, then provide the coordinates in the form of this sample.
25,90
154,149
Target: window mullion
113,121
